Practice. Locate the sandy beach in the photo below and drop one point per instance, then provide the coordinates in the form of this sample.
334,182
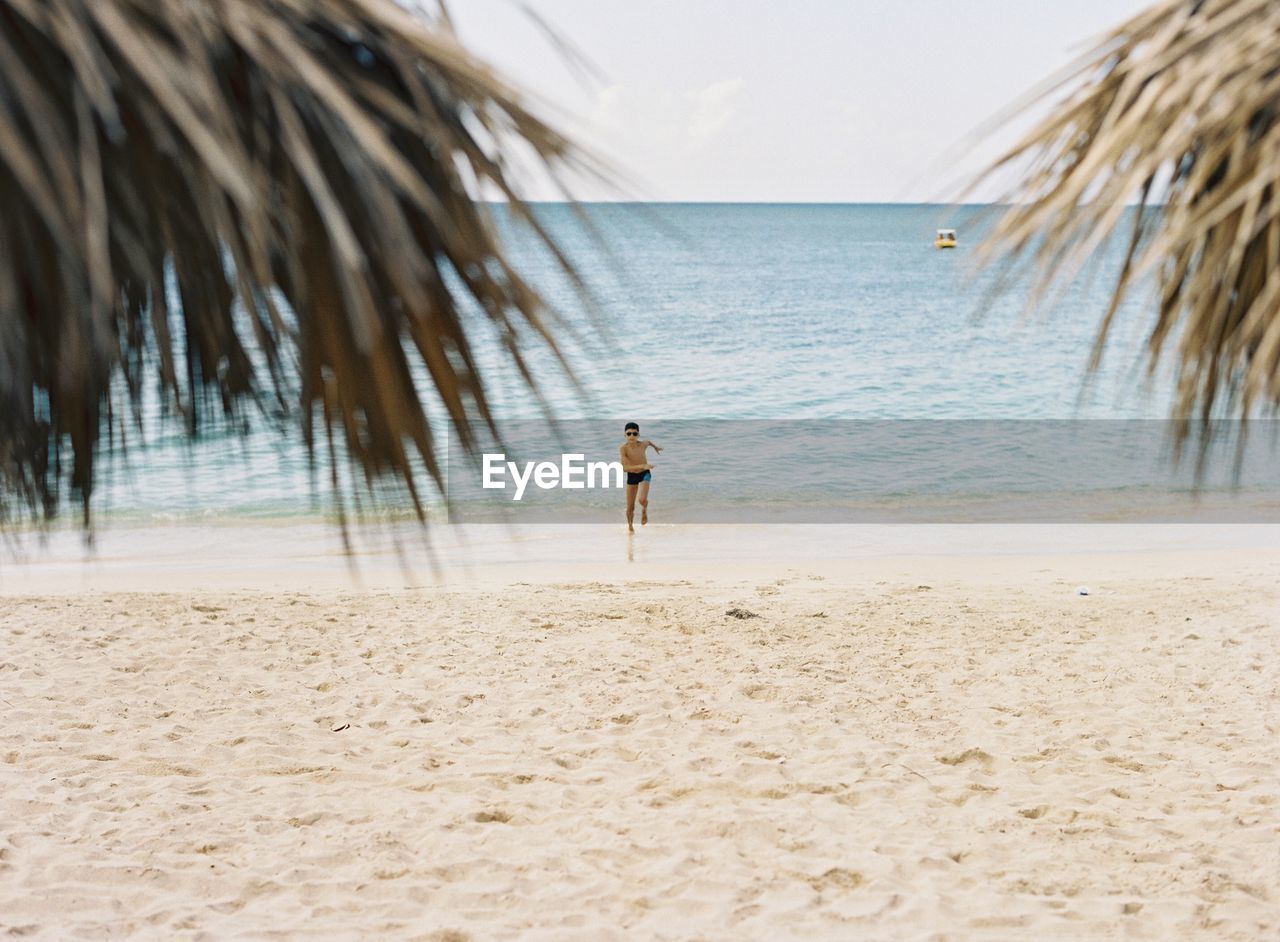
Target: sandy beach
902,748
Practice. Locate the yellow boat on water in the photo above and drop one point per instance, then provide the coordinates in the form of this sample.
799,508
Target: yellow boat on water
945,239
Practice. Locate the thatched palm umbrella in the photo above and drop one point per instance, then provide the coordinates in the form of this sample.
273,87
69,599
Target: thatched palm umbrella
1176,108
300,177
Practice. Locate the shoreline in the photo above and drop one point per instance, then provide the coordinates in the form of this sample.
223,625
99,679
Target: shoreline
312,557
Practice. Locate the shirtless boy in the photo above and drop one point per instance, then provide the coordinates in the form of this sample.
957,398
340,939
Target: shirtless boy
634,455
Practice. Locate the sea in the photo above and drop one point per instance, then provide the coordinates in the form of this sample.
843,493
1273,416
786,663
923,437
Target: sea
750,318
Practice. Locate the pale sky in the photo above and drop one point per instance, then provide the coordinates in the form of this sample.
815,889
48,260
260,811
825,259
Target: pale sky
808,101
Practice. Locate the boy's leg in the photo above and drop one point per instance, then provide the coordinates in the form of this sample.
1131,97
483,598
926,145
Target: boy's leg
631,505
644,502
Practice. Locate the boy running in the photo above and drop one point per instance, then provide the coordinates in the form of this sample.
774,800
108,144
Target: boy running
634,455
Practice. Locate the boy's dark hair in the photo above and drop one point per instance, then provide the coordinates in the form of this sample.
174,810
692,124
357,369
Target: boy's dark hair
629,426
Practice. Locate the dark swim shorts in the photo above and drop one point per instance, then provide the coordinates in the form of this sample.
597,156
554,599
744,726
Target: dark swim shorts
639,477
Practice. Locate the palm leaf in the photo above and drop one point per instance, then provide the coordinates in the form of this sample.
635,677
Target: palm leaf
1175,109
303,177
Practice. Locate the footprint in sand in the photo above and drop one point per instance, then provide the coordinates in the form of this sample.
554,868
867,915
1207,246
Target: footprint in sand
836,878
761,692
969,755
1131,765
449,935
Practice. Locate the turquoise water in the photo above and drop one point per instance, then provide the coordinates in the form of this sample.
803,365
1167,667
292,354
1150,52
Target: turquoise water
737,312
840,311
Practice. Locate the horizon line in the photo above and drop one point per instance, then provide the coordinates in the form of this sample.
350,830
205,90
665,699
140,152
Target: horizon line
586,202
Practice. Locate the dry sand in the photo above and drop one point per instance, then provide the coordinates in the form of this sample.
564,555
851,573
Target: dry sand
929,750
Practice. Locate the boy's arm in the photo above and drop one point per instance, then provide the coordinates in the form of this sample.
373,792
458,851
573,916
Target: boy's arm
653,445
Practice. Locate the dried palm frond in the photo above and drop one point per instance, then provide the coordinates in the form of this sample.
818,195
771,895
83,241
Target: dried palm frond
269,203
1177,110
